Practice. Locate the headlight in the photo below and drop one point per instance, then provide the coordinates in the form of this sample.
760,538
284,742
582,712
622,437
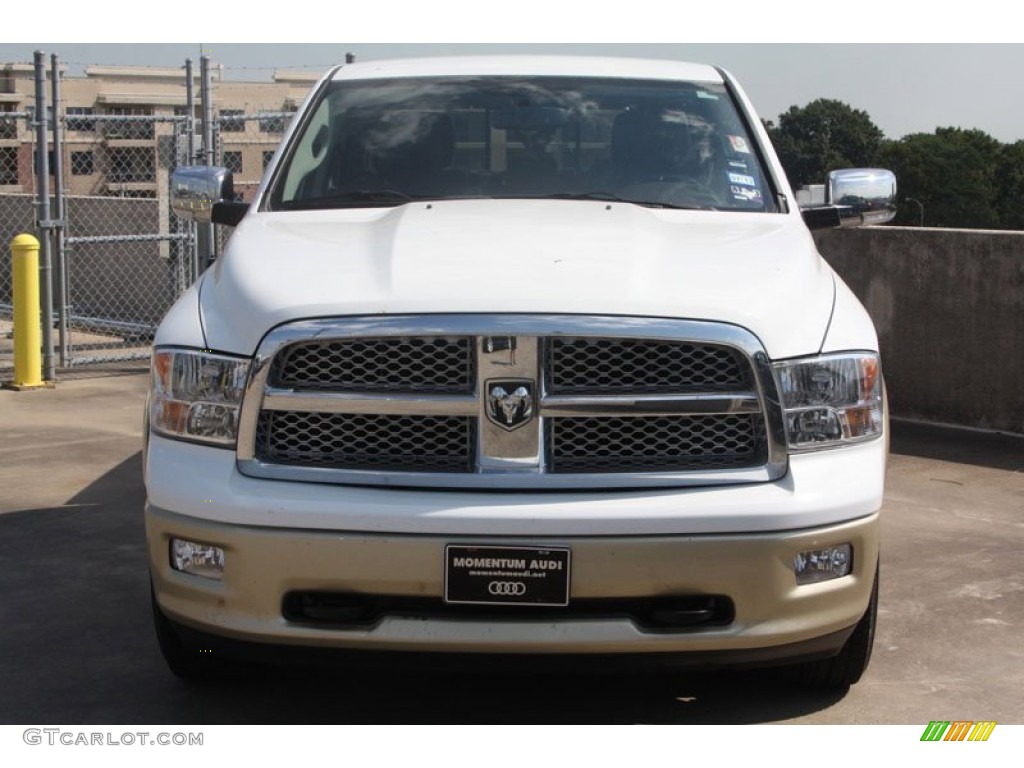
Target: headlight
831,400
196,395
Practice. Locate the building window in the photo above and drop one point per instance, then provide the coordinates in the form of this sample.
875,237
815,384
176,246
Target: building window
124,123
130,164
8,165
31,110
267,157
80,119
275,122
231,120
233,161
8,125
82,164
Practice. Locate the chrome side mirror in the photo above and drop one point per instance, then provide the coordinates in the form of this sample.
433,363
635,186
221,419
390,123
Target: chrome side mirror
863,196
195,190
852,197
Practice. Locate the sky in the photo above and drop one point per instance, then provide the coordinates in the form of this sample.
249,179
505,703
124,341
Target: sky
908,78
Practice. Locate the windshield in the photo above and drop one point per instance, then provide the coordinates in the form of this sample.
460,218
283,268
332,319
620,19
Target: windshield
665,144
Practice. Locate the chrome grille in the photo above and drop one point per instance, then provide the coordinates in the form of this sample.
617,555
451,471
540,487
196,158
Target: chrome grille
439,365
656,444
362,441
594,366
424,400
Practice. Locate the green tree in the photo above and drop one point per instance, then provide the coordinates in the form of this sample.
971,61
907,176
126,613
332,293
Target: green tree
821,137
1009,184
954,173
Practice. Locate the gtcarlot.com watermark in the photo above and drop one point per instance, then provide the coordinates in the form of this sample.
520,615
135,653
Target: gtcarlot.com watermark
68,738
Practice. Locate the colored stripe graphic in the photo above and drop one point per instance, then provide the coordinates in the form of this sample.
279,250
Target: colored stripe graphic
935,730
958,730
982,730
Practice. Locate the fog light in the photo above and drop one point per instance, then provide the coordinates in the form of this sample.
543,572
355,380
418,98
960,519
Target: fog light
197,559
823,564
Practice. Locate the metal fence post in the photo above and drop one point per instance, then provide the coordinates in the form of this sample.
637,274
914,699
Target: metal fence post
190,143
43,216
206,232
59,214
217,159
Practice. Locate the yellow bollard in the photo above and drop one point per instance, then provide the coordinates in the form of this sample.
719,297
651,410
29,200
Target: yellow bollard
28,364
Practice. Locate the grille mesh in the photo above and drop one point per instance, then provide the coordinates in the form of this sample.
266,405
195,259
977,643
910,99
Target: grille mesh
389,364
575,365
372,442
602,365
655,443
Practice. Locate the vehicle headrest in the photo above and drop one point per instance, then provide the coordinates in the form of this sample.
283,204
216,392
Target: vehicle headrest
650,140
414,142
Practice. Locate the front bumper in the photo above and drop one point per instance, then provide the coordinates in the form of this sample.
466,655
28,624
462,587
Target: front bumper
755,571
733,541
819,489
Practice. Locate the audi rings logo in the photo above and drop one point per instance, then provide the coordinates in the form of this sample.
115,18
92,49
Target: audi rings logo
507,588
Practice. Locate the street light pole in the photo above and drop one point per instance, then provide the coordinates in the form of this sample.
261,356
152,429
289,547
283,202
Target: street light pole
920,206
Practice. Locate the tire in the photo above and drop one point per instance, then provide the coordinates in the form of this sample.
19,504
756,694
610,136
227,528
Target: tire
184,662
848,666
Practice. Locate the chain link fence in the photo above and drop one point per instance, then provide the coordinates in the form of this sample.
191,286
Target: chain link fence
120,257
245,145
244,142
127,257
17,211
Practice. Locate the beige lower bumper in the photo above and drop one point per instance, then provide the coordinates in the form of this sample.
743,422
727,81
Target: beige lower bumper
755,571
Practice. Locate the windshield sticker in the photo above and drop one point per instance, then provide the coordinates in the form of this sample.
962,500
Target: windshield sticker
739,144
706,95
740,178
738,164
746,194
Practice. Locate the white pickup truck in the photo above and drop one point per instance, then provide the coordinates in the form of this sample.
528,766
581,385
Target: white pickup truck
520,355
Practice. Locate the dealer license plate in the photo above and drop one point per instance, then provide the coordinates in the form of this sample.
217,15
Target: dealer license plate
506,575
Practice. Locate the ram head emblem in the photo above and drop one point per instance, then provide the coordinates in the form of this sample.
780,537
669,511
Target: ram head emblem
510,403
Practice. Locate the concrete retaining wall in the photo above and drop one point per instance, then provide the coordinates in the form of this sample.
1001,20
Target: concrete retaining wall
949,309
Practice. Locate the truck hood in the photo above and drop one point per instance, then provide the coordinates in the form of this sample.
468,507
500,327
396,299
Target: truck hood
758,271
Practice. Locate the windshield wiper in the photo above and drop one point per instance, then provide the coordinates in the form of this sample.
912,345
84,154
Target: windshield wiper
611,197
357,197
371,197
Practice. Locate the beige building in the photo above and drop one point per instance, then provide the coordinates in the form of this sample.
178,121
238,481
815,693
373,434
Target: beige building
112,149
